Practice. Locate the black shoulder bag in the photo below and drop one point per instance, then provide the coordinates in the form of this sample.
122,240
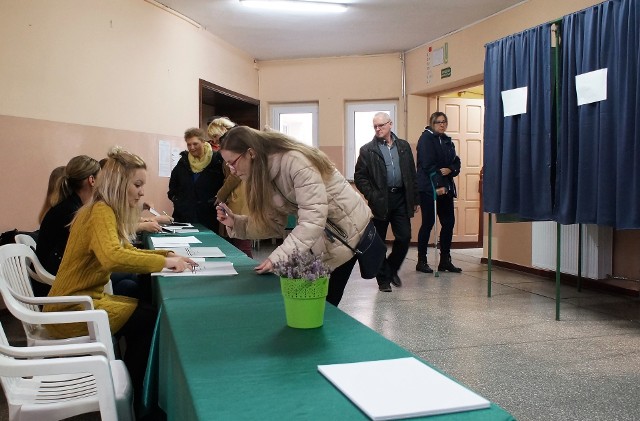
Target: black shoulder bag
370,250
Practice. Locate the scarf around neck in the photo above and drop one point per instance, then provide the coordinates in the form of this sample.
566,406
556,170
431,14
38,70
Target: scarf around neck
197,165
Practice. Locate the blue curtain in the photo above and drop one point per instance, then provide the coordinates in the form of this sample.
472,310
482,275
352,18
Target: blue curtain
598,179
518,151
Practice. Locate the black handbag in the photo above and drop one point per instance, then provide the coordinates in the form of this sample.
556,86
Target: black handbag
370,250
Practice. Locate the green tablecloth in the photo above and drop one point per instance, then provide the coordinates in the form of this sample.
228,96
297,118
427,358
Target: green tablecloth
223,351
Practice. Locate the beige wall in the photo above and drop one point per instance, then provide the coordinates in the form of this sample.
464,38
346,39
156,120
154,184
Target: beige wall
331,83
78,76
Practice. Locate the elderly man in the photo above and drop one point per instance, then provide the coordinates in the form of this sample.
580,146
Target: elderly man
386,175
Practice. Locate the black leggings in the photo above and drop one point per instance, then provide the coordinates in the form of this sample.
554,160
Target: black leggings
338,281
447,217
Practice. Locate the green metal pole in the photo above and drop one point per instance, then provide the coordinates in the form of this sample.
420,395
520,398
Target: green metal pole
489,256
579,257
558,256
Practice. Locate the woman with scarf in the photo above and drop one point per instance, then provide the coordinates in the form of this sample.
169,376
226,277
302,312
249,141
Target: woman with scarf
195,181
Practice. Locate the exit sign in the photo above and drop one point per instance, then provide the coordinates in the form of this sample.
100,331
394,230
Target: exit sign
446,72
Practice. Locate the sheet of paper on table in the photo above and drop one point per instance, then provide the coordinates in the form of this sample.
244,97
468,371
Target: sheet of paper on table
171,241
197,251
203,269
417,389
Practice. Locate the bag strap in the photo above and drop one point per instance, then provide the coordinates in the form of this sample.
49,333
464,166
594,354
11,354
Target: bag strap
333,235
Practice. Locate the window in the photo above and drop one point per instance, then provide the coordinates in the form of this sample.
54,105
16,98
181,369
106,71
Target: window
360,128
299,121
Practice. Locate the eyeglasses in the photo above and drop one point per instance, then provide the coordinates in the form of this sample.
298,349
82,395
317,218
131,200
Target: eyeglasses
440,122
379,126
232,164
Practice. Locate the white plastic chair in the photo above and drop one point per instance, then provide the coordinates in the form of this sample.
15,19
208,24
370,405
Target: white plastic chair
27,240
38,272
14,261
97,321
79,378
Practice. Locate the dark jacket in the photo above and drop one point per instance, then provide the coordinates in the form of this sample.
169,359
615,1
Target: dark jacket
54,232
371,177
194,201
435,152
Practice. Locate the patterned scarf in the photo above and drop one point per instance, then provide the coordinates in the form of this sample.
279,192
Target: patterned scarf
197,165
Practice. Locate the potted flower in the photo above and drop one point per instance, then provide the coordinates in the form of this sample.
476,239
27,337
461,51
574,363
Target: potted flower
304,280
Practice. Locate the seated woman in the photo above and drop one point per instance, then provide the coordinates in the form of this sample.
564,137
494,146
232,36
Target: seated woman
99,243
73,189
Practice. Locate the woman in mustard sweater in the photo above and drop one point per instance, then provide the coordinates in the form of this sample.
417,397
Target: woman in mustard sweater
99,243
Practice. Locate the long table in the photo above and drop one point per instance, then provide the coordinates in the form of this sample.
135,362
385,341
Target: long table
222,351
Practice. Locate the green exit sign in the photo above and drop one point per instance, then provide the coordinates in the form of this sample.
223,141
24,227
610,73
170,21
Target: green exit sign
446,72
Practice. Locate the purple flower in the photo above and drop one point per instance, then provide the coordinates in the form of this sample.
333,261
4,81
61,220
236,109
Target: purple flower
301,266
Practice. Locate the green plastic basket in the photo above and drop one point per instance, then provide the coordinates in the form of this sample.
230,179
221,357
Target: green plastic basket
304,301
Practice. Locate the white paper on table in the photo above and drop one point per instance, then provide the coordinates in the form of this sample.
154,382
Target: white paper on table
591,86
514,101
203,269
197,251
169,241
418,390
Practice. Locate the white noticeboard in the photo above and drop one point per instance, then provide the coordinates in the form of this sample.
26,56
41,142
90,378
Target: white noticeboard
418,390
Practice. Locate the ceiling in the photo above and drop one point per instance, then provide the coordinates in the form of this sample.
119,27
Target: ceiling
367,27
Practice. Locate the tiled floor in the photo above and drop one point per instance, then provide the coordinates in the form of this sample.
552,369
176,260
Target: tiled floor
509,347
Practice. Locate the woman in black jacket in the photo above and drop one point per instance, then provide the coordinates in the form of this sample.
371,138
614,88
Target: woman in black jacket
438,163
195,181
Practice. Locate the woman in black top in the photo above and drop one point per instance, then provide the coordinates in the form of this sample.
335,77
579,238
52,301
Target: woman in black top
72,190
195,181
437,165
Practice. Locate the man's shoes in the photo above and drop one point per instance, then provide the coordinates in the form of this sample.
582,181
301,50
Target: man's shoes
384,288
446,266
396,281
423,266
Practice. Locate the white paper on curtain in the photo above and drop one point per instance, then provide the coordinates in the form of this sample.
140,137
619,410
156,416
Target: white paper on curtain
514,101
591,86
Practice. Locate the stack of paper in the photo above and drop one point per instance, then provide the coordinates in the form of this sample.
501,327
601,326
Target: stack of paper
169,241
400,388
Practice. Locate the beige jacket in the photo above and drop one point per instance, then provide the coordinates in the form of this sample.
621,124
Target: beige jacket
299,189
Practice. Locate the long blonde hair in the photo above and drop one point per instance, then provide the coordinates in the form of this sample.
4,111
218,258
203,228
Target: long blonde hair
259,188
111,188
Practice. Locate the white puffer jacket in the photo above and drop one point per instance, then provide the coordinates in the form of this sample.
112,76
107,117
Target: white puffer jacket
300,190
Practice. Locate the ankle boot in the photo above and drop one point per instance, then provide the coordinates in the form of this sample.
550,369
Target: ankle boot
445,265
423,266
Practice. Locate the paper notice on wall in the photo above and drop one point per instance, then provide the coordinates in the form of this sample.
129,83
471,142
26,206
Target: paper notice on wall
514,101
591,86
164,158
175,156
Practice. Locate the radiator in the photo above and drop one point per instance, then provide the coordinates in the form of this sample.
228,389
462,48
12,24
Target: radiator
597,245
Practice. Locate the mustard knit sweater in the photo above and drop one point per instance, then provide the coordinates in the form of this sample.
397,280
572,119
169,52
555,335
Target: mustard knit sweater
92,253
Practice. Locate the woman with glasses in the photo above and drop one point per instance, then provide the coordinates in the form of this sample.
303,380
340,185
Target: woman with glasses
195,181
437,164
283,177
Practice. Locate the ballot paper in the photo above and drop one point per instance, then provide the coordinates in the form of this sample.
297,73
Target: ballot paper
203,269
418,390
174,241
197,251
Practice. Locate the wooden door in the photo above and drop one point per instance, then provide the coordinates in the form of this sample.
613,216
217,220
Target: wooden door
466,119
